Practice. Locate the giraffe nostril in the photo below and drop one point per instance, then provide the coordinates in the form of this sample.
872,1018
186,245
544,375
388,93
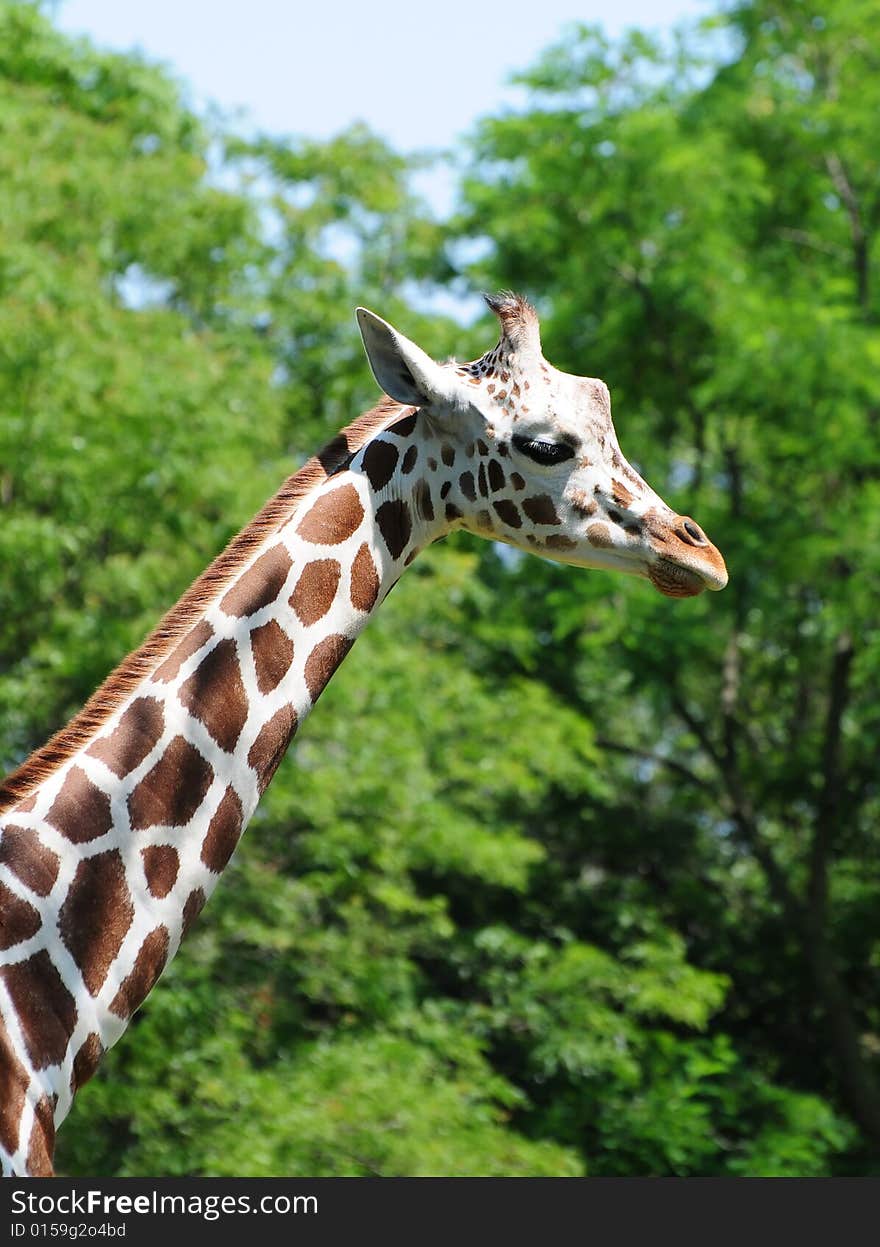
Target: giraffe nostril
692,532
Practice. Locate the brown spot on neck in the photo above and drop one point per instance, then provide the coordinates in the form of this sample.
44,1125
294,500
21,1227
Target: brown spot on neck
132,739
81,811
148,965
95,917
364,580
195,903
405,426
260,585
215,694
332,517
395,525
42,1141
14,1082
379,461
323,661
18,918
172,791
200,635
272,651
46,1009
223,832
271,744
86,1061
315,590
22,851
161,868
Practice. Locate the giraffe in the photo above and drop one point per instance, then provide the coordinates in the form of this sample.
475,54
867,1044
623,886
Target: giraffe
114,834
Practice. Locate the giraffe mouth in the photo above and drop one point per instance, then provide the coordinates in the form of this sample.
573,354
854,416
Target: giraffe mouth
675,581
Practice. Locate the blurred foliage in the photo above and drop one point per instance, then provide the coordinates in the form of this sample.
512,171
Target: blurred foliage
561,877
700,219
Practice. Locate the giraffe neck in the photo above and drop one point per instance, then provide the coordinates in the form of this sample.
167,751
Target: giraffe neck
105,865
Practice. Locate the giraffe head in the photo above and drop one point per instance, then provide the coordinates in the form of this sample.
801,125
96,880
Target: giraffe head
533,457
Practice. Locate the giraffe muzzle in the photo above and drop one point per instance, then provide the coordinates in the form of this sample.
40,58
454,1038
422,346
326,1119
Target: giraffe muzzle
688,562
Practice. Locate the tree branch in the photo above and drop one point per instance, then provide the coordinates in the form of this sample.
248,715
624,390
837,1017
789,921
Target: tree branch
829,798
699,729
631,276
804,239
741,812
858,233
659,759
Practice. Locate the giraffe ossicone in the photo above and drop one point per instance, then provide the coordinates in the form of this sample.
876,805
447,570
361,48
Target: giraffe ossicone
114,834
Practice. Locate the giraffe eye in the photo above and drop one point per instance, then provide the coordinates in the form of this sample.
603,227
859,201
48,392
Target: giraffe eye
543,452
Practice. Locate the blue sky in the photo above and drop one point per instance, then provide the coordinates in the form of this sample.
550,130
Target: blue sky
417,73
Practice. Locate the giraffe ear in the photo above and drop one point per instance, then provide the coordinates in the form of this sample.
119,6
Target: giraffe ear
402,369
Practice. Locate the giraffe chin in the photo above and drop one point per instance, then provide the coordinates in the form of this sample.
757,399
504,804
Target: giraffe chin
674,581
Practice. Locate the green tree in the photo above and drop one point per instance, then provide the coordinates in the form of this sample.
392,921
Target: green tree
497,913
706,233
111,383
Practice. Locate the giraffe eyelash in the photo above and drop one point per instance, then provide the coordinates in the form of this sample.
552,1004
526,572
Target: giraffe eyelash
543,452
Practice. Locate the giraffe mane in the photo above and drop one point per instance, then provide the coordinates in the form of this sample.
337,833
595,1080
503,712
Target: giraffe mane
176,623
